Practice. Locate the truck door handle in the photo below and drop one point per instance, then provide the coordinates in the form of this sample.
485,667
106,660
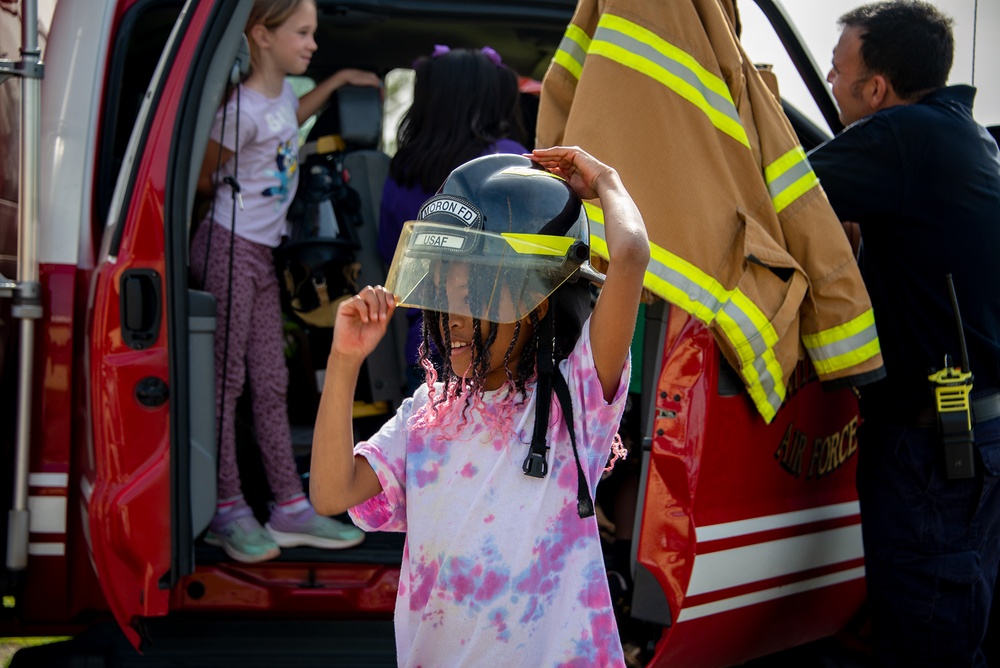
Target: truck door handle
140,307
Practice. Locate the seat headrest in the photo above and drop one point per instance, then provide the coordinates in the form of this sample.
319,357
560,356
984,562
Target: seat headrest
360,111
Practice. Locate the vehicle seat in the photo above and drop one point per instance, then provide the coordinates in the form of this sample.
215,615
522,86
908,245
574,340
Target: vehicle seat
360,114
352,127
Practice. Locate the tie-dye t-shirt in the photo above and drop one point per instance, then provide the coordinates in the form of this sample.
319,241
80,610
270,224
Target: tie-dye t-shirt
498,569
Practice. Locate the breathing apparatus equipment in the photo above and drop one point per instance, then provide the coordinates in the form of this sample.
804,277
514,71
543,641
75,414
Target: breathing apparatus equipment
522,232
317,264
320,263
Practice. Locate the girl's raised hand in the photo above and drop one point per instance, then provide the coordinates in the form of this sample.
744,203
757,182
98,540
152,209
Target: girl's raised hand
354,77
361,322
580,169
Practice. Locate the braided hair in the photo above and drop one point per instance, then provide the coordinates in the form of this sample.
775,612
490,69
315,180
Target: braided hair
569,306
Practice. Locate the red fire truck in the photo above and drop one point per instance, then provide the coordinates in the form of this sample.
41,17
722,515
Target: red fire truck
746,534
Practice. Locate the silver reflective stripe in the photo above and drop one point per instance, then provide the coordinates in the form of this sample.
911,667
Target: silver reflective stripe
575,51
789,177
786,180
766,390
718,102
572,51
844,346
655,54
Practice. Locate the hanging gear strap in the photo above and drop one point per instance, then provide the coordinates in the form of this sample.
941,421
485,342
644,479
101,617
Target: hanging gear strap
234,184
584,504
535,464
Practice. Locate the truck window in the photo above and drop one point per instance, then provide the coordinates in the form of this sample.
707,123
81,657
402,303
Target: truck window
301,86
398,97
144,32
764,47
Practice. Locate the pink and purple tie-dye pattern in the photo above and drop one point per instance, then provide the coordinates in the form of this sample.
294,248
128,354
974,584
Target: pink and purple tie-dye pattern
498,569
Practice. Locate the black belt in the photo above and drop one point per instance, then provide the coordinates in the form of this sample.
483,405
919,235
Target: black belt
983,409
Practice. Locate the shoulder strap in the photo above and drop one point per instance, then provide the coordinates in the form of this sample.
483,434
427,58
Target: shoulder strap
584,504
535,464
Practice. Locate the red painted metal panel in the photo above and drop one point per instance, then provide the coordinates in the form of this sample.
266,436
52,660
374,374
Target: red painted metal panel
129,507
761,629
327,591
50,448
723,485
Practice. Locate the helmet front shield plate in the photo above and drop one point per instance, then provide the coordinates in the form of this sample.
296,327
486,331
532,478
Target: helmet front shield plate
494,277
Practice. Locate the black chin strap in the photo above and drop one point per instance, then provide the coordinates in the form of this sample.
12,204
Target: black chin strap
535,464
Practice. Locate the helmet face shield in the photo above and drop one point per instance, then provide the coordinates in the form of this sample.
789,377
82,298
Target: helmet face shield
501,235
498,277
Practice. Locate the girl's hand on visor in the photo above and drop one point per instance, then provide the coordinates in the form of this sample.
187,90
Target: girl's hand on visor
361,322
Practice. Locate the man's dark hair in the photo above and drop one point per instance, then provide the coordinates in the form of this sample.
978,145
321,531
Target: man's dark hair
907,41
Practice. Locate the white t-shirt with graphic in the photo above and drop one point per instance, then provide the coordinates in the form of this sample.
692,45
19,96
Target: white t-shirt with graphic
498,569
267,160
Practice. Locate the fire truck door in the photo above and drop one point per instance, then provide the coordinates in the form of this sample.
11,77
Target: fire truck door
741,525
149,479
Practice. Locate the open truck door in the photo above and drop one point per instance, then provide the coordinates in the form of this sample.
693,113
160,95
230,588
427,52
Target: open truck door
149,481
741,523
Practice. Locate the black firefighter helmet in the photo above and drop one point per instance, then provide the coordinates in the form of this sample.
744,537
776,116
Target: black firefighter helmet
522,231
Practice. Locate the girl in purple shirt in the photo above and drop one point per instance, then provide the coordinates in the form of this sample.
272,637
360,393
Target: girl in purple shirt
465,104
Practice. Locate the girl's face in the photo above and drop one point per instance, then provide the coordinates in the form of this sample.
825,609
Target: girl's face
292,43
457,287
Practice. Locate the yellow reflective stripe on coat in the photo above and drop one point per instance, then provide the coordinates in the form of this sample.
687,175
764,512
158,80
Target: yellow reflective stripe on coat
789,177
637,48
573,49
843,346
742,322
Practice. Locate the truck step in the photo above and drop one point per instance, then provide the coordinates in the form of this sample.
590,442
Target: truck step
214,644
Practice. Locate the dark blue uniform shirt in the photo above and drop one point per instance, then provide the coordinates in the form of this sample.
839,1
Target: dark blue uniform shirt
923,182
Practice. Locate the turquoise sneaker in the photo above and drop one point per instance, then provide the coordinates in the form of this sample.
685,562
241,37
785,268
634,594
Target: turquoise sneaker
306,528
242,537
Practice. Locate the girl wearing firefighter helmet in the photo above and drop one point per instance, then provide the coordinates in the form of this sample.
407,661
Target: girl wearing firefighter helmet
491,469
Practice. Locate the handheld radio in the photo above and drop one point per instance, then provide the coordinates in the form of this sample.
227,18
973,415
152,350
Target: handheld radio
953,406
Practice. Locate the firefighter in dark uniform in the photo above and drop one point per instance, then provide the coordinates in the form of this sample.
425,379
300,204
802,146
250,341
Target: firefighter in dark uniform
921,179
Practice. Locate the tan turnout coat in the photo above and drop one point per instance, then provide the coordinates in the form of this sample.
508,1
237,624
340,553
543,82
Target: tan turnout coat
742,235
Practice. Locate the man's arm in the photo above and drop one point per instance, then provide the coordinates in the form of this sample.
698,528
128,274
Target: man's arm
861,171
